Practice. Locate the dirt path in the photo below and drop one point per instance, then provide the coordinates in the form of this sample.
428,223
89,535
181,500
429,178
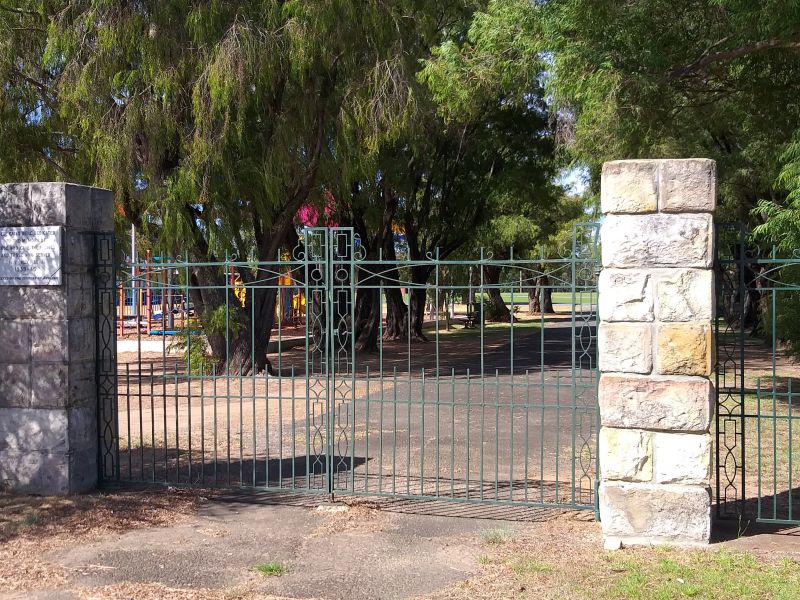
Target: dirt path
177,545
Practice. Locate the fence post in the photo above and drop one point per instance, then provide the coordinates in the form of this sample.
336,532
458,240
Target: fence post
48,396
656,306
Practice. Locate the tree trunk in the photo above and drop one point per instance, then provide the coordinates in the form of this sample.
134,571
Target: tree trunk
545,295
234,346
534,305
418,297
491,279
396,313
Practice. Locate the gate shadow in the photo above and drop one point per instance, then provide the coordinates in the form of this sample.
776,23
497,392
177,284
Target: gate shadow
177,467
727,528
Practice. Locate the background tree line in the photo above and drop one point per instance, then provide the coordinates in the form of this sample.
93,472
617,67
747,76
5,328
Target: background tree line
214,121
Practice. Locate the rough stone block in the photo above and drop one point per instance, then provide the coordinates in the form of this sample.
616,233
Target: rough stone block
102,210
685,295
82,427
15,341
82,384
48,203
82,470
82,339
15,385
684,349
15,205
646,513
34,429
78,251
662,403
32,302
79,207
49,341
33,472
625,347
625,295
626,454
682,458
80,295
688,185
657,240
629,186
49,385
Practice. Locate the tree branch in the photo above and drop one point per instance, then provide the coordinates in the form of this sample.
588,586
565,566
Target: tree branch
709,58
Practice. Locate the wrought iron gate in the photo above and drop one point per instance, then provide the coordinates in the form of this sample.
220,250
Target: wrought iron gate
757,336
387,376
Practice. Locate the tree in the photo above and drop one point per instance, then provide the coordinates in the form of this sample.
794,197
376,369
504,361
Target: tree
213,122
678,79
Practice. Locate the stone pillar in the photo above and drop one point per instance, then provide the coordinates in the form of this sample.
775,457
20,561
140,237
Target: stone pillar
656,304
48,396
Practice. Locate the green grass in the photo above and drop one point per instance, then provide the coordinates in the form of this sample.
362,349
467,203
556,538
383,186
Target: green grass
521,298
530,566
271,569
496,536
722,575
31,520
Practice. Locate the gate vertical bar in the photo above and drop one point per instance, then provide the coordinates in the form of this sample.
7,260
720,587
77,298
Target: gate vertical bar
106,357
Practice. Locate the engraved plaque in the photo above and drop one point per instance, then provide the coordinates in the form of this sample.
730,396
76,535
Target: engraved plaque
30,255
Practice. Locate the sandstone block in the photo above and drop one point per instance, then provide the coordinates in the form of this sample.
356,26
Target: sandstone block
15,341
688,185
625,295
684,349
625,347
685,295
626,454
682,458
645,513
15,386
629,186
15,205
657,240
662,403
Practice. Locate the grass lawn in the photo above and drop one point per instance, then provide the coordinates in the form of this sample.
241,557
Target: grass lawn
558,297
513,569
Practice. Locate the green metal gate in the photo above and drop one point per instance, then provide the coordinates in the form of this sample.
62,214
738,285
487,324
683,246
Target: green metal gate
387,376
757,379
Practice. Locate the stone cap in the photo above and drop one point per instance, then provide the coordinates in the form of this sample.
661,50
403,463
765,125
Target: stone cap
75,206
659,185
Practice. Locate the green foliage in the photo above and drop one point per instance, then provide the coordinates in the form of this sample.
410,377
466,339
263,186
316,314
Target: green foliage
193,348
715,78
786,318
781,218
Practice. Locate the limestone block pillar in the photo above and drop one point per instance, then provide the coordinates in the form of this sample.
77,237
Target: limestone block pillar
656,304
48,395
